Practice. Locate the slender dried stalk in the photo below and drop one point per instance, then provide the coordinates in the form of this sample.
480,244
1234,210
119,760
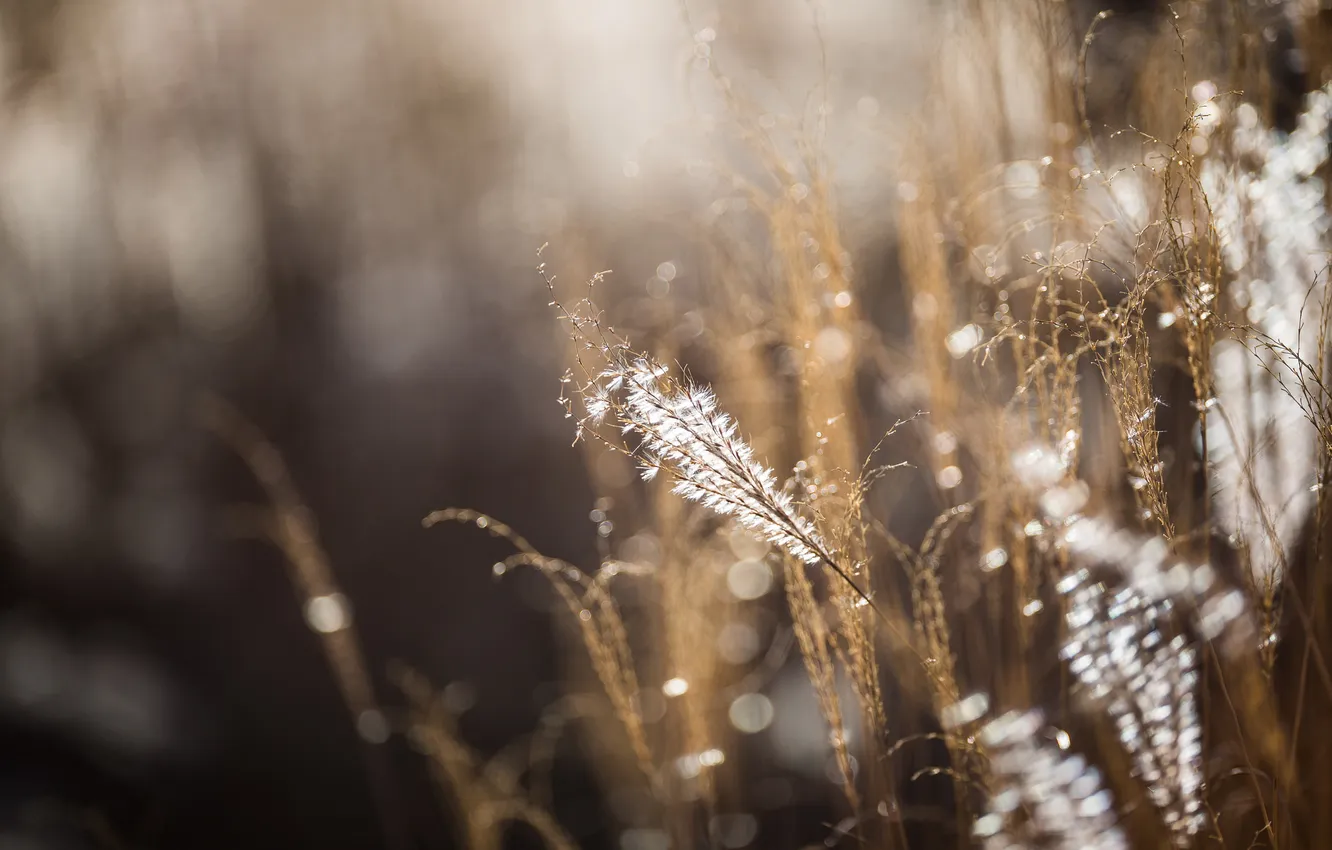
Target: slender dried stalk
287,523
485,801
596,613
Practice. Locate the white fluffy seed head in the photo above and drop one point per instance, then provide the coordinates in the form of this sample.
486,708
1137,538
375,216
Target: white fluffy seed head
680,429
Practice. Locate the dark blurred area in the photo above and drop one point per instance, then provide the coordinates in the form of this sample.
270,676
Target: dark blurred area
327,213
307,209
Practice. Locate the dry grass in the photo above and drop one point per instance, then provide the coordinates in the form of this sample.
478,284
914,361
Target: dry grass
1113,332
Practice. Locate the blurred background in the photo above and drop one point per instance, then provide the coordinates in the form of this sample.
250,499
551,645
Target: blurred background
328,213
